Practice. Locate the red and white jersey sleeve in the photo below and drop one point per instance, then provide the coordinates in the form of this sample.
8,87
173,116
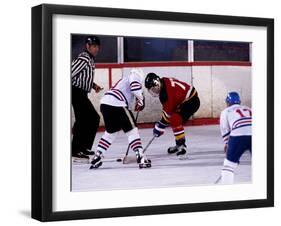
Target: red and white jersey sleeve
235,120
176,91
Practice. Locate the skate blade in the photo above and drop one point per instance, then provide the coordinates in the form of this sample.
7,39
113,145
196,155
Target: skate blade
81,160
145,166
183,157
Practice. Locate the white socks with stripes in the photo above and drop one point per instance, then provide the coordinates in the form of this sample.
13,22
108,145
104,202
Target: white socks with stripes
134,139
227,172
105,141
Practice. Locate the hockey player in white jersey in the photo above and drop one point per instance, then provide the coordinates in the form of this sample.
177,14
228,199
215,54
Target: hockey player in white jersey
117,116
236,130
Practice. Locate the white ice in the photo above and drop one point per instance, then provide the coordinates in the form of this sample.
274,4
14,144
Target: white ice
205,159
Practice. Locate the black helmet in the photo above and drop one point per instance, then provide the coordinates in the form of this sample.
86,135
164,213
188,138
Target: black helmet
151,80
93,40
152,83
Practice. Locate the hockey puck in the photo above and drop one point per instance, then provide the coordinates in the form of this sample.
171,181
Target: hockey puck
119,160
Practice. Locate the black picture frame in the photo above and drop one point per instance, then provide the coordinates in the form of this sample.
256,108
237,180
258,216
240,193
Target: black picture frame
42,111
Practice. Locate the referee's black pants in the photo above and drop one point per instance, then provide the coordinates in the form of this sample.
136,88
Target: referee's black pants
86,121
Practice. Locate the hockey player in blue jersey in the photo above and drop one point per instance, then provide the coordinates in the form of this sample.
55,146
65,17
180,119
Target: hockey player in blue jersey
236,130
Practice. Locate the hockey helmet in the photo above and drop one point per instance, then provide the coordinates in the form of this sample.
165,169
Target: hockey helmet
152,83
232,98
93,40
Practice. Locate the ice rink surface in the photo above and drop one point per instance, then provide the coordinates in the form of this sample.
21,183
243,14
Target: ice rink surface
205,159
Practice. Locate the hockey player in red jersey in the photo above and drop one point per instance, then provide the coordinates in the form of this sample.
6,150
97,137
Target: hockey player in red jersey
180,101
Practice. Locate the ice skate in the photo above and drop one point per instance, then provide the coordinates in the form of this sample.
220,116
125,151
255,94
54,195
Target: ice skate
181,151
172,150
80,157
96,160
142,160
88,152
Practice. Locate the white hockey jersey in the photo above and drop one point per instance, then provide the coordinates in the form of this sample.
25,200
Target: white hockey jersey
123,92
235,120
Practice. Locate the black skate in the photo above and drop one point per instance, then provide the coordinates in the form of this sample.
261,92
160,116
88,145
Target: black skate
82,156
96,161
88,152
181,151
172,150
142,160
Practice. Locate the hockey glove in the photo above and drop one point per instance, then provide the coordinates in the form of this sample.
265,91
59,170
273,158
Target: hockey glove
159,129
97,88
139,105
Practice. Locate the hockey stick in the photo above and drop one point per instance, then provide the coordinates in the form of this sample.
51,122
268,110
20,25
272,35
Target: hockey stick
133,159
149,143
218,180
112,160
125,158
88,161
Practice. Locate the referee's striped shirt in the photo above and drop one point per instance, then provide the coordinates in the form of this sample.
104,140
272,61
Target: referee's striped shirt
82,71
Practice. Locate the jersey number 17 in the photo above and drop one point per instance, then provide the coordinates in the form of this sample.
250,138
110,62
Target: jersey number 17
244,112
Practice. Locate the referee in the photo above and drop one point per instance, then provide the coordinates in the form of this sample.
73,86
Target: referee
82,80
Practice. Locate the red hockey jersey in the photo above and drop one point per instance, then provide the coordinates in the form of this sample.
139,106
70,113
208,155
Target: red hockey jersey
173,93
